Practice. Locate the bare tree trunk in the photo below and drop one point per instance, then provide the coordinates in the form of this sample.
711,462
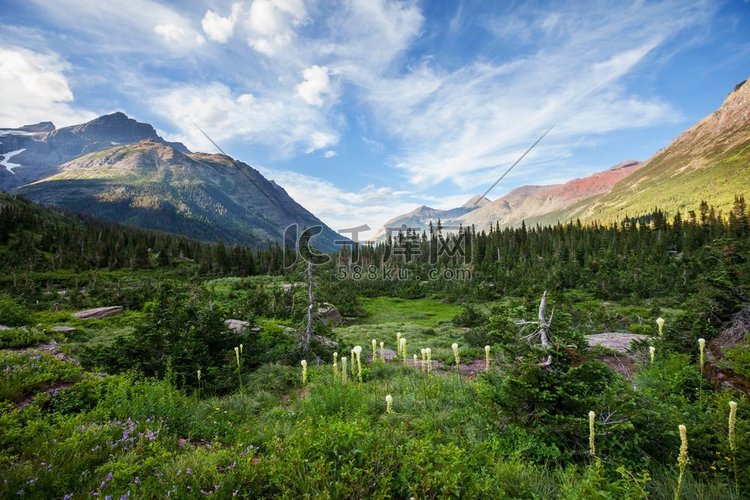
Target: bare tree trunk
544,325
310,307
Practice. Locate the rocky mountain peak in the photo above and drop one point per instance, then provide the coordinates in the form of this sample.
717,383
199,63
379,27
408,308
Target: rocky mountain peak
475,201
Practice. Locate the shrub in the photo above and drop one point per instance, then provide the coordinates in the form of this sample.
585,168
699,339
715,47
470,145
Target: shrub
12,313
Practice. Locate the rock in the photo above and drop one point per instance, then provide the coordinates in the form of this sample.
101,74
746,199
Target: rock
616,341
3,327
99,313
237,325
329,315
64,329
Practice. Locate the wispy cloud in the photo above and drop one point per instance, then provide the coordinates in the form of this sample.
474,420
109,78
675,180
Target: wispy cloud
483,115
340,208
282,121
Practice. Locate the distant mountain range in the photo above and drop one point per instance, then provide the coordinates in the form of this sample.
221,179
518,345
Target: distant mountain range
710,161
119,169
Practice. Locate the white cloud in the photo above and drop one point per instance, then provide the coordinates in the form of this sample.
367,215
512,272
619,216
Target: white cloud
178,35
467,125
272,24
34,88
277,120
341,208
316,84
218,28
130,26
329,154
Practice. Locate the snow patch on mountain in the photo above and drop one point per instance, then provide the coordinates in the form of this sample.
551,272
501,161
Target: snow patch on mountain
5,162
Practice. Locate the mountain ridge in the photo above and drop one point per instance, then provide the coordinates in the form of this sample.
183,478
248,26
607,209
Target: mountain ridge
150,184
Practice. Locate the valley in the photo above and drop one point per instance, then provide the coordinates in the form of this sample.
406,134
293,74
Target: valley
180,317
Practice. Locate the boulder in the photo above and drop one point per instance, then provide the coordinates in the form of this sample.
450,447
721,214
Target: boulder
64,329
329,315
237,325
99,313
3,327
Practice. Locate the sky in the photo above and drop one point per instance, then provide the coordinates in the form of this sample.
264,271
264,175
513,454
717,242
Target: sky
366,109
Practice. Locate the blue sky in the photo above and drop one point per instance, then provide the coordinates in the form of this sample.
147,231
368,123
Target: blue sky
364,109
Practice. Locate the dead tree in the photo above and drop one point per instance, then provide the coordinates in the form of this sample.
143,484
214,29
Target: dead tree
310,310
541,333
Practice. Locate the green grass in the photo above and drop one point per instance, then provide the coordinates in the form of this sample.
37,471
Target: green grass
25,373
423,322
421,312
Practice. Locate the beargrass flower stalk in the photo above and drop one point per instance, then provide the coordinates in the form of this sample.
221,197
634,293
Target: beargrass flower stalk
682,459
343,370
660,324
702,347
239,368
352,361
416,365
428,351
199,383
389,404
487,358
403,349
732,425
335,364
651,352
358,352
592,434
733,444
398,344
304,372
374,351
382,352
424,360
455,355
241,349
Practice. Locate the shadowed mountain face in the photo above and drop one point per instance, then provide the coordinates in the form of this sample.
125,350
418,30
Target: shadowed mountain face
33,152
154,185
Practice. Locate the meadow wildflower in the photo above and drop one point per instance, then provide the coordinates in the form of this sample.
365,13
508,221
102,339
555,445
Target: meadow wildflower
682,459
389,404
660,324
304,372
592,434
357,352
702,348
455,354
651,352
487,358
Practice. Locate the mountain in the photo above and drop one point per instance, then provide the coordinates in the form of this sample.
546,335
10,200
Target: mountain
710,161
32,152
156,185
525,203
536,203
419,219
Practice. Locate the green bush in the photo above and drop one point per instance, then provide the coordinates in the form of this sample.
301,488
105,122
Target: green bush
12,313
22,337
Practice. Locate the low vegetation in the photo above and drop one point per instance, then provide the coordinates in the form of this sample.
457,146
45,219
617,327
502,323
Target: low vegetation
167,400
